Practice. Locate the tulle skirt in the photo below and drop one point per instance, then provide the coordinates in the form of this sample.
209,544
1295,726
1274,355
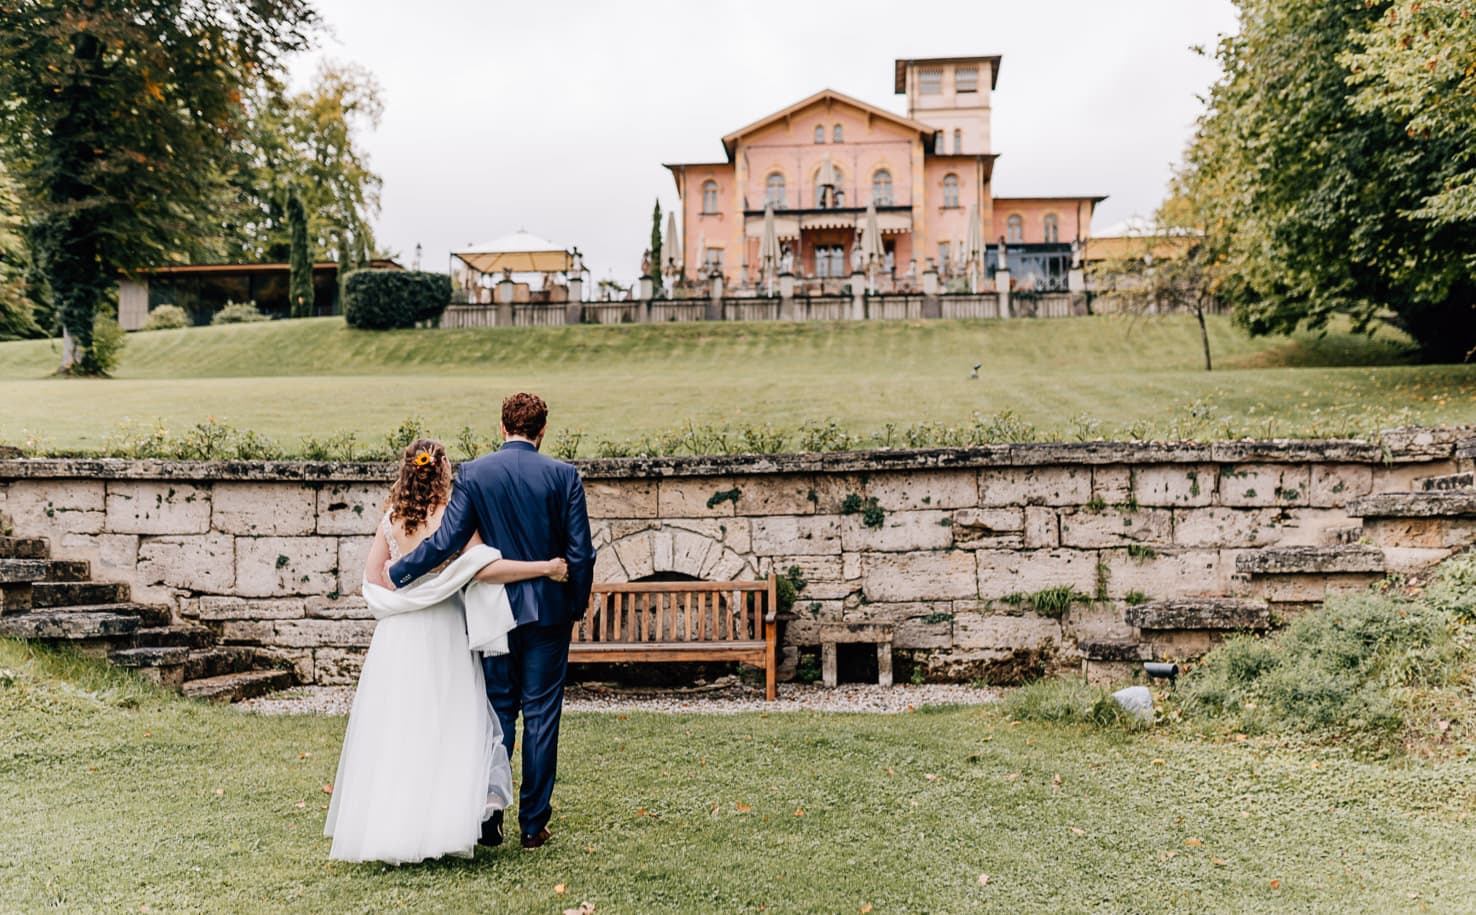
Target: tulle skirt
423,763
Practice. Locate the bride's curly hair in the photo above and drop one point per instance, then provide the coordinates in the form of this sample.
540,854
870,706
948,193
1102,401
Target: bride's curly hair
423,486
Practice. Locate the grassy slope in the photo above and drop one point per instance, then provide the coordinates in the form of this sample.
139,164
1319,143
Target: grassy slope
108,796
290,379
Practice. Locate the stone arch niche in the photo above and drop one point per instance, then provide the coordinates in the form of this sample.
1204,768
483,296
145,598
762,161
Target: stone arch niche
669,552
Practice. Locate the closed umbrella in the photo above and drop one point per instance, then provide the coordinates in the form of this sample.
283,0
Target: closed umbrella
671,249
769,246
976,249
871,245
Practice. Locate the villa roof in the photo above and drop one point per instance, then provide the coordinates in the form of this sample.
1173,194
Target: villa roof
730,142
901,68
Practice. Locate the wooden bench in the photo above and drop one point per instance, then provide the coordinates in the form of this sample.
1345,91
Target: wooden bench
681,621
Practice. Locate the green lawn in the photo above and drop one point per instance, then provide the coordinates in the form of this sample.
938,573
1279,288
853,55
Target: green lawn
115,798
1080,377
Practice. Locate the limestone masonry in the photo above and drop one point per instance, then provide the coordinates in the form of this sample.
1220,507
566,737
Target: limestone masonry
998,562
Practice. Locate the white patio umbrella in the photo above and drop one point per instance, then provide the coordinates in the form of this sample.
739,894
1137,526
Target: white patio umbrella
671,249
976,249
701,252
871,245
769,247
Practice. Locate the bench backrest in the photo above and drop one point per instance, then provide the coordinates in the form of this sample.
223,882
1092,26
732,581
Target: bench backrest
677,611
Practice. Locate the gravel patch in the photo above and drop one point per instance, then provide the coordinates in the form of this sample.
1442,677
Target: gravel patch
721,698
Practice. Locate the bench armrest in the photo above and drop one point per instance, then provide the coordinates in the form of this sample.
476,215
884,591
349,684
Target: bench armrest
772,616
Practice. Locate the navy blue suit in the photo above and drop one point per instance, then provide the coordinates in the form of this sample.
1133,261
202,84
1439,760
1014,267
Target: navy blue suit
531,508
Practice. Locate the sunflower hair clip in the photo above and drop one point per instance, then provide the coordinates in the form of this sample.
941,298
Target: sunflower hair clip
423,459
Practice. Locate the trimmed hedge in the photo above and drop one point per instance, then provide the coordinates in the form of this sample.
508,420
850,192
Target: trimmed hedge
387,299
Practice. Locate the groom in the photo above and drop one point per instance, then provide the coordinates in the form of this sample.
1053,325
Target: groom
529,507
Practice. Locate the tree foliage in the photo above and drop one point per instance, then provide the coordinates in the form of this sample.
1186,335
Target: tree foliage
18,319
119,120
300,275
655,271
1317,197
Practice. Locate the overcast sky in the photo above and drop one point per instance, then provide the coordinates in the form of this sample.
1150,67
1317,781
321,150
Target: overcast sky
556,116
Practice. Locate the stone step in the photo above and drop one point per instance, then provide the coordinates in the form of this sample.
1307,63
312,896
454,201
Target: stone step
24,548
76,593
1447,482
68,570
68,625
237,686
150,657
22,571
188,635
1119,650
214,662
146,614
1201,613
1311,560
1452,504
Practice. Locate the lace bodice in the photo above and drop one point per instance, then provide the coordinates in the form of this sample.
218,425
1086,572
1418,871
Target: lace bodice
389,536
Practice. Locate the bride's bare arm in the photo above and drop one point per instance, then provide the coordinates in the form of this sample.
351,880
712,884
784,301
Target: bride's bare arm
378,557
505,571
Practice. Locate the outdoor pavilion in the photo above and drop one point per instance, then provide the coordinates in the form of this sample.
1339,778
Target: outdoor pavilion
538,268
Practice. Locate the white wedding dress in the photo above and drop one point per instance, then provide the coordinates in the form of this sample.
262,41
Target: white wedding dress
423,763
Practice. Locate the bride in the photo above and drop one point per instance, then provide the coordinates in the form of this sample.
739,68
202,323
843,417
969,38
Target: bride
423,764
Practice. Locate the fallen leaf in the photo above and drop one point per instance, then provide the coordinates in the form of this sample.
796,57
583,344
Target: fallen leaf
304,755
327,789
741,808
1165,856
1194,842
865,908
301,804
1219,862
799,811
640,811
983,879
1239,738
931,776
559,888
585,908
1160,762
1012,777
1078,831
220,792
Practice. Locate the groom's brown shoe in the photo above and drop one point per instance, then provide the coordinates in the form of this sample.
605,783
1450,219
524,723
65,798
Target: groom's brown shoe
492,830
538,840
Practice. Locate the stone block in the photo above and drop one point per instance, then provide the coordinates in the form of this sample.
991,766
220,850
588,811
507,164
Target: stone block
608,568
1013,633
899,532
988,527
337,608
1174,485
1115,526
1422,533
824,576
299,659
778,495
920,632
1057,486
239,608
26,499
723,564
204,562
157,507
635,556
353,558
1042,527
337,666
1253,485
1220,526
689,497
1112,483
1293,560
116,553
621,498
797,536
260,509
1165,573
682,551
1335,485
919,576
282,566
1310,587
246,632
850,566
1413,560
1315,526
1402,477
1201,613
351,508
1006,572
734,533
320,633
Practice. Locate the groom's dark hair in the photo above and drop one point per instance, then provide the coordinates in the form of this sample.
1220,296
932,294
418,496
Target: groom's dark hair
524,414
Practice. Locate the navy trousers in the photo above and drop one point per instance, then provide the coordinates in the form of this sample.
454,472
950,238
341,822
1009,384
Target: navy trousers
530,679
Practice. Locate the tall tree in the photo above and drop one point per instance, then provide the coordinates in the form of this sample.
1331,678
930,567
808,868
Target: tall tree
1315,205
308,144
656,250
18,318
118,122
300,275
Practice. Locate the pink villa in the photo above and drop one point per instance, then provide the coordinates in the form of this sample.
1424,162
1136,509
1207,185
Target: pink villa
822,160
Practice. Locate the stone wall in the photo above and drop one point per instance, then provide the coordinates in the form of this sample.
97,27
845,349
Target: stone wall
946,544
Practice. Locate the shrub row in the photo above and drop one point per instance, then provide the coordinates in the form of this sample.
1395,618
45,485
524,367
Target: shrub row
389,299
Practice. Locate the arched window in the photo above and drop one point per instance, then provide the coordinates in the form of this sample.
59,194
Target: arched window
819,133
1052,228
709,197
838,135
957,142
1015,230
881,188
774,191
950,190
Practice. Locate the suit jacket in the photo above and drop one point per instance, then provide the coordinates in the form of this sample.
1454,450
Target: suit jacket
529,507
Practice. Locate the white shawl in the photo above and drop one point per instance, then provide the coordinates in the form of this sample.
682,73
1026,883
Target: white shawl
489,615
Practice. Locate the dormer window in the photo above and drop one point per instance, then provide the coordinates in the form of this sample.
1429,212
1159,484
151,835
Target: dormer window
838,135
930,82
966,79
819,133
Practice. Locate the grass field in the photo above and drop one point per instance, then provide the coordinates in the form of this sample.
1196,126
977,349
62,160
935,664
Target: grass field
1080,377
117,798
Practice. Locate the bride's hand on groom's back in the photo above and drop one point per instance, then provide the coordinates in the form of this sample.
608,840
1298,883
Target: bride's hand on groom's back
558,570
